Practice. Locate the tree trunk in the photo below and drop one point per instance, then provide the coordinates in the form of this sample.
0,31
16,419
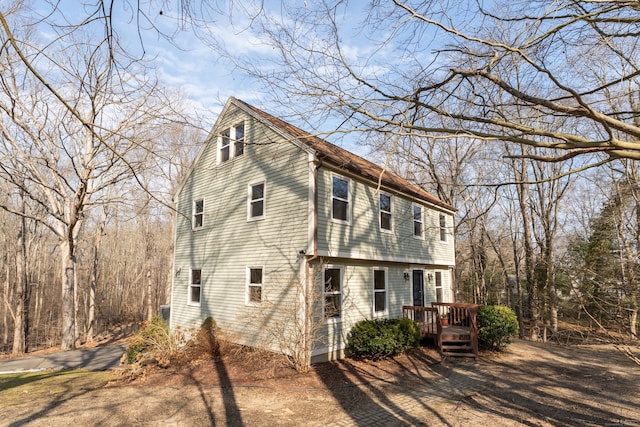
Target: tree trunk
68,265
91,321
5,313
21,320
149,296
528,253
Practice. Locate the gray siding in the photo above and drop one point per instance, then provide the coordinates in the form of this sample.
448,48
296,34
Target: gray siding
358,297
362,237
228,243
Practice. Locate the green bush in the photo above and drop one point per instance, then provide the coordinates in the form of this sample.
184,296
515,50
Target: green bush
497,324
379,338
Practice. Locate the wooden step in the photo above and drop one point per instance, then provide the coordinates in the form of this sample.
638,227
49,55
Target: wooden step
457,354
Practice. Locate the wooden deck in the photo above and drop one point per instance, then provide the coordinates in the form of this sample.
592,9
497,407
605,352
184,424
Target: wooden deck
452,326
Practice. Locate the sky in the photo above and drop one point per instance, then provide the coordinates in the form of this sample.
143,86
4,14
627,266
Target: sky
205,80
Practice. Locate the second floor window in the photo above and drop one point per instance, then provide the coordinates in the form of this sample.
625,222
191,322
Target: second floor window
198,214
417,220
256,201
443,228
385,212
340,199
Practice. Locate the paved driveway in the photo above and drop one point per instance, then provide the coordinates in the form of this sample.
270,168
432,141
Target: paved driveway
93,359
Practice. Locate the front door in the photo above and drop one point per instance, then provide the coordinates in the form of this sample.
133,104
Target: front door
418,292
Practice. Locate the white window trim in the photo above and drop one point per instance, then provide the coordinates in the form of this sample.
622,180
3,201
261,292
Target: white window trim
441,228
413,221
193,214
380,212
264,200
341,269
384,313
235,139
189,302
442,286
349,199
232,142
247,293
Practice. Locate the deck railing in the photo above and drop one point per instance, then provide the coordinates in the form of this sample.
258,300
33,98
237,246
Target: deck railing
427,318
433,320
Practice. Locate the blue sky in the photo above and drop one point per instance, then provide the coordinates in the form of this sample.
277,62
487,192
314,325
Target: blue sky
204,79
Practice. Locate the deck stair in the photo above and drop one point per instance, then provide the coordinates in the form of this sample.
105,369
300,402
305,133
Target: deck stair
452,326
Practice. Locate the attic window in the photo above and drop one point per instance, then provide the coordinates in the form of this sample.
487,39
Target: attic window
238,145
231,143
225,149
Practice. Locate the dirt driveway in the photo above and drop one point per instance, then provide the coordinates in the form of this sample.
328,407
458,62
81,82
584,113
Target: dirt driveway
531,384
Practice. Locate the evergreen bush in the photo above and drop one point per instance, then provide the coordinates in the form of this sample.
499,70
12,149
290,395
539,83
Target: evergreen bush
496,324
380,338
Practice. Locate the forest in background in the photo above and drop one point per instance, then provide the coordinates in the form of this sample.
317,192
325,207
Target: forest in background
539,157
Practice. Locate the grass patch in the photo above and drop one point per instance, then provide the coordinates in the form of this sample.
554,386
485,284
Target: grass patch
14,388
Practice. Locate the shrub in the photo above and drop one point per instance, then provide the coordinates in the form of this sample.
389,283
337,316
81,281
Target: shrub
379,338
153,337
497,324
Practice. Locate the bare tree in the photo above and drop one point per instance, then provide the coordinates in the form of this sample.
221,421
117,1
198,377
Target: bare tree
68,152
504,71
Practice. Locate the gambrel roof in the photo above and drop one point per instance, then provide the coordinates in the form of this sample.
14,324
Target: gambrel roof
343,159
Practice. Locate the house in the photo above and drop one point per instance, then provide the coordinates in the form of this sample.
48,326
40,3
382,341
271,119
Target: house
287,240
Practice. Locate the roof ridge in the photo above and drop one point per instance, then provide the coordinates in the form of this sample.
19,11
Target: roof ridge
347,160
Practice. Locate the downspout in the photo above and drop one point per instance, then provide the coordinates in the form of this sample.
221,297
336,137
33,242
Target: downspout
317,161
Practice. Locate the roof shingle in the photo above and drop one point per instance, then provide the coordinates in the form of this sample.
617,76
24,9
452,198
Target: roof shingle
343,159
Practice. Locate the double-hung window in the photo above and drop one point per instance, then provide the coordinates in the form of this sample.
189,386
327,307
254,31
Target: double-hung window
332,307
195,286
231,143
197,220
439,288
256,201
443,228
340,199
254,285
225,145
417,221
385,212
379,292
238,145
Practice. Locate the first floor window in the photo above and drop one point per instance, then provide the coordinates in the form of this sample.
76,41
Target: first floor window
379,291
198,213
443,228
195,286
254,285
439,288
256,201
332,293
385,212
340,199
417,220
